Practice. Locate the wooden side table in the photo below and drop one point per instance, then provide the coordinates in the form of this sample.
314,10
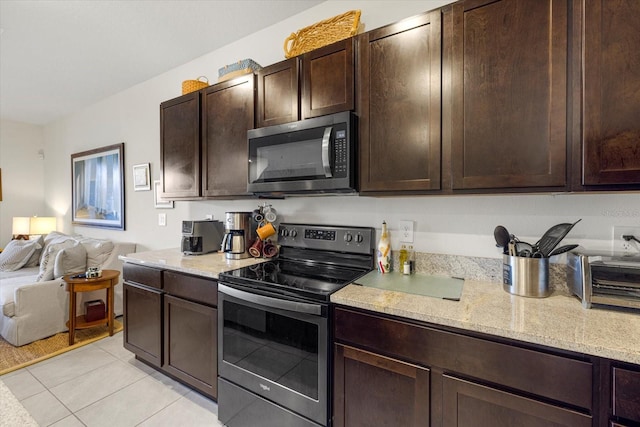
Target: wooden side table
108,281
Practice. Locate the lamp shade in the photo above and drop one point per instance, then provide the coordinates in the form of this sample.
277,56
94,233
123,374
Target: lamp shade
42,224
20,225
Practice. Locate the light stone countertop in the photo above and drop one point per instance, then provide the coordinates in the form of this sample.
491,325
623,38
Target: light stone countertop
556,321
208,265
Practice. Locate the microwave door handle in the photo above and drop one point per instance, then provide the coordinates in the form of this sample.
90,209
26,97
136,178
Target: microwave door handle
326,161
295,306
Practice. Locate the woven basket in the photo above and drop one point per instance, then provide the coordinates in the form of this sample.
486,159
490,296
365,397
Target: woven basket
322,33
189,86
237,69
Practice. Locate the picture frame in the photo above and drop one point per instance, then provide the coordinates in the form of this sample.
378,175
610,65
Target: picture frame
158,201
97,186
141,177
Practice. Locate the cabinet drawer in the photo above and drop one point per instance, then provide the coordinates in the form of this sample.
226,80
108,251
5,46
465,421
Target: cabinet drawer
626,394
193,288
555,377
147,276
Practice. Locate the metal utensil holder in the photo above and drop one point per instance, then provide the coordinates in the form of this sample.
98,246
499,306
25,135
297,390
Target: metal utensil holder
527,277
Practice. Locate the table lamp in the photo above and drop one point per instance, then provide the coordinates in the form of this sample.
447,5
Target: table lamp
23,226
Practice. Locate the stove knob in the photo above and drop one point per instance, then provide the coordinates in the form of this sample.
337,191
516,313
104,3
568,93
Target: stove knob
284,232
293,233
359,238
348,237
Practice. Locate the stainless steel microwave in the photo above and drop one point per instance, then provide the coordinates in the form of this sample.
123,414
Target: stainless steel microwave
305,157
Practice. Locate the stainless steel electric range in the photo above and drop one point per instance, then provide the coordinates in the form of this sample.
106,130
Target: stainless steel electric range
274,327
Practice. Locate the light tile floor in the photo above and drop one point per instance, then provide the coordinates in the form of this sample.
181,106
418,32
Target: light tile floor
102,384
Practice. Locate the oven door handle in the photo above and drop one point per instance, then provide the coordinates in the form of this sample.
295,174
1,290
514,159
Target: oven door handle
297,307
326,161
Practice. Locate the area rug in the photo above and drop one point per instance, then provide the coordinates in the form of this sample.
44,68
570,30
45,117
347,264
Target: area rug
13,413
13,358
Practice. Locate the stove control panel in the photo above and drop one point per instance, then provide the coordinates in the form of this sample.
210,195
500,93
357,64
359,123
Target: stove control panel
327,237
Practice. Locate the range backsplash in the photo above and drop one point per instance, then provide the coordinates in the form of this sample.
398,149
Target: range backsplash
475,268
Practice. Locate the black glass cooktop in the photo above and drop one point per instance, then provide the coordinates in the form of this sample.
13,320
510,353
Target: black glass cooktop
286,277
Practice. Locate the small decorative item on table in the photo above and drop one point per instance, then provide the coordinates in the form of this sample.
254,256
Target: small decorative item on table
76,283
322,33
237,69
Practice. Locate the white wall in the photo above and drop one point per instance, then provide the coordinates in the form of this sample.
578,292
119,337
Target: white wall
444,224
22,174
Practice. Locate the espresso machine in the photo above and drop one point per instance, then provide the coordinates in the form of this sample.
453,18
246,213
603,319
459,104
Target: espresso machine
239,234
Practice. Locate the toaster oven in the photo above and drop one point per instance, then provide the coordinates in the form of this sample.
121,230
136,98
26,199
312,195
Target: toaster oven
604,278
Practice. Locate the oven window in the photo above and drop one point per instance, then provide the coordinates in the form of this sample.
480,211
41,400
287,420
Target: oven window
279,348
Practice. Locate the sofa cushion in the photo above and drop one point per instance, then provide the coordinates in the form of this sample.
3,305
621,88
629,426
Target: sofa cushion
98,250
17,253
70,260
9,283
35,258
47,262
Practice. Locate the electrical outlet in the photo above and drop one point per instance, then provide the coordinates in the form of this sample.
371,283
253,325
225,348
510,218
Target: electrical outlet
406,231
162,219
621,245
209,217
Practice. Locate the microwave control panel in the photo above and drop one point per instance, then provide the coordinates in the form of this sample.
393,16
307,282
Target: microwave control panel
341,154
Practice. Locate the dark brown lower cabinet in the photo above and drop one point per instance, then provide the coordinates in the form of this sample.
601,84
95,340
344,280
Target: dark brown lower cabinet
396,372
190,343
143,322
373,390
170,322
626,394
469,404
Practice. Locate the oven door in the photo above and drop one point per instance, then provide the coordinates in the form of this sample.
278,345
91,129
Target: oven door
276,349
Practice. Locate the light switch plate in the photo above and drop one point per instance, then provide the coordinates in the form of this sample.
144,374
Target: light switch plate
162,219
406,231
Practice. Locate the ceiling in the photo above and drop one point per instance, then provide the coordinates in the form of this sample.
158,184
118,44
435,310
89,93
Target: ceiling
59,56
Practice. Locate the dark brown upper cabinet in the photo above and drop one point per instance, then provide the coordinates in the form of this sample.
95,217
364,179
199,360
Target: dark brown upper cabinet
227,114
328,79
180,147
505,73
317,83
399,73
611,118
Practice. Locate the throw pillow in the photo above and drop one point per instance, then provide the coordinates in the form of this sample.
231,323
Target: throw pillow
47,262
16,254
70,260
35,258
98,251
53,238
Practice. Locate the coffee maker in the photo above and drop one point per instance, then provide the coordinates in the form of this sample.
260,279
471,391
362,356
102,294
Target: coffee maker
201,237
239,234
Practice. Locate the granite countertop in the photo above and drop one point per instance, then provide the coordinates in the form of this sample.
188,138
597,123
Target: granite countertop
208,265
557,321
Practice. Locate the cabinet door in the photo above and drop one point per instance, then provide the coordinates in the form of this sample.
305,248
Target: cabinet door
469,404
328,79
507,61
278,96
626,394
611,92
180,147
399,106
373,390
227,114
191,343
143,322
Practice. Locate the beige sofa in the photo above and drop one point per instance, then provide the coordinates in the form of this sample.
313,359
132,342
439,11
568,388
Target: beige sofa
33,301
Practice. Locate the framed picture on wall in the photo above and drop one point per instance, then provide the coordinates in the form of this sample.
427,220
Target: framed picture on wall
158,201
141,180
97,187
